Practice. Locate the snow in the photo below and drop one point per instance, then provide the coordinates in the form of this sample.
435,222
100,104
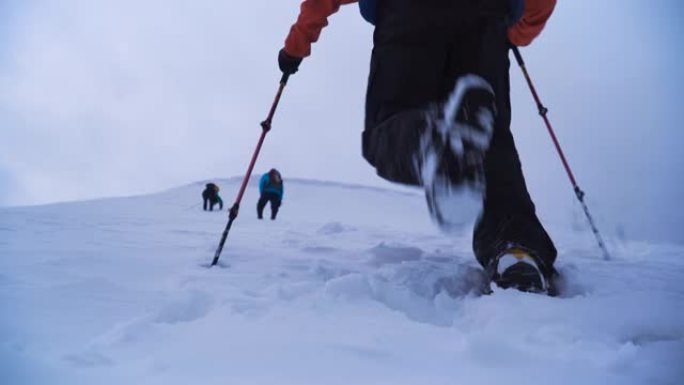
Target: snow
350,285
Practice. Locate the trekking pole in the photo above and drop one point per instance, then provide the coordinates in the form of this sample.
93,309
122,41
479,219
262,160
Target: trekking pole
578,192
265,128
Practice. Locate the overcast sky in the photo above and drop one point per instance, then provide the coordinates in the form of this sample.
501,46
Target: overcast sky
119,97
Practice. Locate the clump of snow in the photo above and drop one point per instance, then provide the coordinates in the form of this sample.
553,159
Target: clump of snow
333,228
363,291
384,254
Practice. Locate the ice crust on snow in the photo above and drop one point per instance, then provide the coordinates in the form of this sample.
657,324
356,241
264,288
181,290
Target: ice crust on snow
365,290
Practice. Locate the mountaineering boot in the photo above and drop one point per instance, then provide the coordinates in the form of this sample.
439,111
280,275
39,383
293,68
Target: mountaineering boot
518,268
452,151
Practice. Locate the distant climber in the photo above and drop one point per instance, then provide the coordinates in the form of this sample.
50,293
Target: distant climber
211,197
271,190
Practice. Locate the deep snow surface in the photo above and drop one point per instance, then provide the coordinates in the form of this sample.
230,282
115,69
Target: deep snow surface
351,285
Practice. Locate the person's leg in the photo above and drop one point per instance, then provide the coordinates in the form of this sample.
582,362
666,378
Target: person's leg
509,217
260,205
428,124
275,205
220,202
410,78
204,206
404,80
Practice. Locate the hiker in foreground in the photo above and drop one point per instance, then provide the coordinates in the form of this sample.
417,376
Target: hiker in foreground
438,116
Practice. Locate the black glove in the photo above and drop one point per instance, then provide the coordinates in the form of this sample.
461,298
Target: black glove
288,64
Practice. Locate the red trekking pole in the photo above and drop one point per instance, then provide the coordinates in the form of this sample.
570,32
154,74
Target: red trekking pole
578,192
265,128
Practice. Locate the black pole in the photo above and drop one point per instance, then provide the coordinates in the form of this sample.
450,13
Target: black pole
543,111
265,128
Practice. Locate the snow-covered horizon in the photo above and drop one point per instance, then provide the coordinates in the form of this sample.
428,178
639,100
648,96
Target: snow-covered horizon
227,199
609,220
350,284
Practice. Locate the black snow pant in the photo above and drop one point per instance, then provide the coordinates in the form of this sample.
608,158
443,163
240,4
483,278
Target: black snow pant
210,203
265,198
420,48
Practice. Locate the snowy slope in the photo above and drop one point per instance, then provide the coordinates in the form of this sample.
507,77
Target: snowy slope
351,285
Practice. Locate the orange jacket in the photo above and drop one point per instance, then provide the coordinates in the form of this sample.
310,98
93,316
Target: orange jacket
313,17
537,12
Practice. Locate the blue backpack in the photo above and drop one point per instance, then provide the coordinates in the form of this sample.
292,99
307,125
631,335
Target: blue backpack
367,8
517,11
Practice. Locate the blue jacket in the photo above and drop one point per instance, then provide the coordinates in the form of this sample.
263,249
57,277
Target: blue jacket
265,186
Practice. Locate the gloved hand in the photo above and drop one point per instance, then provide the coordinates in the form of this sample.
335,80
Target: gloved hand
288,64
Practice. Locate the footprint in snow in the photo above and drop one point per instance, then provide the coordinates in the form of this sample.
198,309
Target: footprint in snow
187,307
333,228
383,254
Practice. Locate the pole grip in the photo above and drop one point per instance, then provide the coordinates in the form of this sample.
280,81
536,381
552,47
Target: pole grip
285,78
